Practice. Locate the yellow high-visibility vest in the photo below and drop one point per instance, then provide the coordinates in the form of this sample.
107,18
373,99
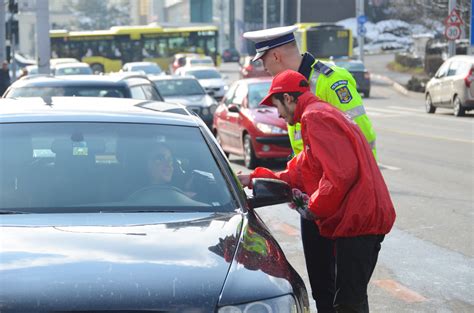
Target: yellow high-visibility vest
336,86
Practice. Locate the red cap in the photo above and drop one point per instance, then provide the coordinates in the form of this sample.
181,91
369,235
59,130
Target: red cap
286,81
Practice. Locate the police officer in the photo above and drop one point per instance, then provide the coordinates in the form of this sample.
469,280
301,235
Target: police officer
277,49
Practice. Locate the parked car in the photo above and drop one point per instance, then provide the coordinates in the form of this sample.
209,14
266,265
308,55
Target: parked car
452,86
117,86
245,128
209,77
147,68
230,55
188,92
250,69
84,229
78,68
359,72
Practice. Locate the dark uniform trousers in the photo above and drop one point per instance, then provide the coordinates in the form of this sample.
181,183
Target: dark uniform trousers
339,270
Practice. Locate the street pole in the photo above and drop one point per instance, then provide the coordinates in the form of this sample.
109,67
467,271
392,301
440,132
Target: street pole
43,43
3,38
298,11
282,12
451,43
360,37
264,14
12,48
222,27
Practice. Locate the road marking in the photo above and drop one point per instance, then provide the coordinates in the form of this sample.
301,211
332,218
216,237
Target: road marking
388,167
399,291
286,228
407,109
424,136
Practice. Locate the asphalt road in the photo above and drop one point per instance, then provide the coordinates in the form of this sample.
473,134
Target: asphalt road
426,262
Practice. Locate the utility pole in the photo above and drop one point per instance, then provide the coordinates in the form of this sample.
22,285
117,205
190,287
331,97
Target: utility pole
221,26
361,19
282,12
3,38
298,11
13,9
264,14
452,43
43,43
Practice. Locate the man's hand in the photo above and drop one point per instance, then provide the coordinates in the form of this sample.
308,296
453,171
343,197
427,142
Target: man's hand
244,179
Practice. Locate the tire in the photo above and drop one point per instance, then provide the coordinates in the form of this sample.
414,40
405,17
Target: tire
429,108
250,160
96,67
219,140
459,110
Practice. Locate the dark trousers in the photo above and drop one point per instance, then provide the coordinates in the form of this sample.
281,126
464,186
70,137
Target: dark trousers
339,270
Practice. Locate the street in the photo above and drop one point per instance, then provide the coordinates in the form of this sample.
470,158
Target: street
426,262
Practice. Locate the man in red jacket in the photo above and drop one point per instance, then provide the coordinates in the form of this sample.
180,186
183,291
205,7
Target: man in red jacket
347,195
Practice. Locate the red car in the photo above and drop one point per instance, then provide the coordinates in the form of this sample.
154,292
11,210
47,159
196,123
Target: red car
245,128
250,69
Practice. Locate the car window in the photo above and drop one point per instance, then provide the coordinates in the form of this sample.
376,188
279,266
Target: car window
201,62
147,69
98,167
150,93
179,87
204,74
137,92
257,92
70,91
443,70
230,94
73,71
351,66
240,94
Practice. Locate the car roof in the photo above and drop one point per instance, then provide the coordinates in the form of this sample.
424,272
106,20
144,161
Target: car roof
75,80
468,58
199,68
140,63
94,109
66,65
170,77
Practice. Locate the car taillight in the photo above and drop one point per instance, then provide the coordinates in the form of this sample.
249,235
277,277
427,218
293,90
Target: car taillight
249,68
469,78
367,75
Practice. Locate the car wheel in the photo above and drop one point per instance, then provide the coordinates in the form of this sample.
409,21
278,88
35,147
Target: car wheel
429,105
219,141
97,68
250,159
459,110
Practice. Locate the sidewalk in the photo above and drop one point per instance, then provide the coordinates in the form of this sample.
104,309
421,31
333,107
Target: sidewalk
377,66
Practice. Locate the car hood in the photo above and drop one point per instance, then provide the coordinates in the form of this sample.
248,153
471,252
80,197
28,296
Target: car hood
114,261
196,100
215,82
267,115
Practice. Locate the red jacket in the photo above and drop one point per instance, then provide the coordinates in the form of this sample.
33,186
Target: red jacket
339,172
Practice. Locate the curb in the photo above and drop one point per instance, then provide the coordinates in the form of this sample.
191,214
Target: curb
397,86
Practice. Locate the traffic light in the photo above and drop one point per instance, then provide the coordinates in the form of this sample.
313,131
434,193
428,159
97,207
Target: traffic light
13,6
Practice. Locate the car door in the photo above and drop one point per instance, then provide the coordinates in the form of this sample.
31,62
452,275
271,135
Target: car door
221,118
235,116
435,89
447,88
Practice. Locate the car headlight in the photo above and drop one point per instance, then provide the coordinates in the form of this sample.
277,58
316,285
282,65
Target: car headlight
276,305
270,129
212,109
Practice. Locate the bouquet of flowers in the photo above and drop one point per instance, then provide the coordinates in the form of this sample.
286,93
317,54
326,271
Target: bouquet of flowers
300,204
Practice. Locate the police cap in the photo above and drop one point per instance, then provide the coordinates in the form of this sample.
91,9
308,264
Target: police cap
267,39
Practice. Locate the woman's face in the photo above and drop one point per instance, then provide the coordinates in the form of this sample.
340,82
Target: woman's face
160,165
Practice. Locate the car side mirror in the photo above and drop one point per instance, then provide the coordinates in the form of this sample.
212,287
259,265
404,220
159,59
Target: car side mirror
233,108
267,191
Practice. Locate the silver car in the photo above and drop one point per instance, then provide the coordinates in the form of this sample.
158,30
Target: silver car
188,92
452,86
210,78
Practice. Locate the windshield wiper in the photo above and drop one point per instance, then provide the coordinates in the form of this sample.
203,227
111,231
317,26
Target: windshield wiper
12,212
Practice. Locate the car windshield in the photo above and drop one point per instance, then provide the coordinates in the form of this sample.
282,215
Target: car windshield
179,87
78,91
351,66
148,69
103,167
201,62
257,92
73,71
204,74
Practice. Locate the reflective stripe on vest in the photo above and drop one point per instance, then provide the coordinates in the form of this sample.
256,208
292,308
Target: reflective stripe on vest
356,111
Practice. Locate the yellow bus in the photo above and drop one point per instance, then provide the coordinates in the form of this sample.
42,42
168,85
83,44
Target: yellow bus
107,50
324,40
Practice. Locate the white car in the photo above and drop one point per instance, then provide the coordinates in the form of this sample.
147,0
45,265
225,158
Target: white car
208,77
147,68
199,61
77,68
